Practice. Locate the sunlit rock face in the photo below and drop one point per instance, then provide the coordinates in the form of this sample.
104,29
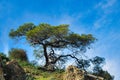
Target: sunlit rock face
74,73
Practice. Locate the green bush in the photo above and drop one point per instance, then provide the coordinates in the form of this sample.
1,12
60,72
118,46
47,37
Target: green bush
29,77
4,58
18,54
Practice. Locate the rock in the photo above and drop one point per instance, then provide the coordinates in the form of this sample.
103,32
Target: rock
93,77
1,70
73,73
14,71
1,74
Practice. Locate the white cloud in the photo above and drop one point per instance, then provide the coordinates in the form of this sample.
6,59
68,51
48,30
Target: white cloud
100,22
112,67
109,64
105,7
67,19
6,49
104,49
105,4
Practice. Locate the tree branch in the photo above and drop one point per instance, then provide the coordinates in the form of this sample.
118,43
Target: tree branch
61,56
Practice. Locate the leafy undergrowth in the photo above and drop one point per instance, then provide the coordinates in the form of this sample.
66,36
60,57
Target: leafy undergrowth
38,74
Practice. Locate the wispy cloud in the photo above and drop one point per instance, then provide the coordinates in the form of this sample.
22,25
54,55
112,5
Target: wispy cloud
68,19
106,3
105,7
100,22
112,67
107,47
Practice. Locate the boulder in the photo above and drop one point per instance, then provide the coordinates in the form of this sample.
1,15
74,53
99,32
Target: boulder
14,71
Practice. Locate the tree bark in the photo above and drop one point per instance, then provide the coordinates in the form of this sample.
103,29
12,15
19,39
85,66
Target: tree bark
46,56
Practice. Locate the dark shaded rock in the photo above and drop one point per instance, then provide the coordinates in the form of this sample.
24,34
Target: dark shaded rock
14,71
1,70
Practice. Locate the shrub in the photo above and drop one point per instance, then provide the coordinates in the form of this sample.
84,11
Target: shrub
29,77
4,57
18,54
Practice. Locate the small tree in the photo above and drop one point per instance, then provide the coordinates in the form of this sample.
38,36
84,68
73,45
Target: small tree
83,64
97,69
51,38
106,75
98,63
18,54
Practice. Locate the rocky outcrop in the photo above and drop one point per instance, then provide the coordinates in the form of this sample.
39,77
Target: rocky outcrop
1,74
73,73
1,70
11,70
14,71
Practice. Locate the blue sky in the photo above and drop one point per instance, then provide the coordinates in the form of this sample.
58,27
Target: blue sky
98,17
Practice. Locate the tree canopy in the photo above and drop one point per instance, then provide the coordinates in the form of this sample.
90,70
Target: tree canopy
18,54
52,38
97,69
